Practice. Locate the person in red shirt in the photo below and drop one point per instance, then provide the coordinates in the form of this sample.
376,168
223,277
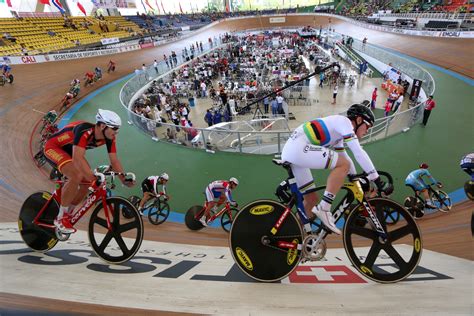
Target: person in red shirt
66,151
430,105
374,99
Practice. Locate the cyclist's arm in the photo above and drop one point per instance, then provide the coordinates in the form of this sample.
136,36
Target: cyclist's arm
163,189
339,148
228,195
362,157
116,165
428,174
79,160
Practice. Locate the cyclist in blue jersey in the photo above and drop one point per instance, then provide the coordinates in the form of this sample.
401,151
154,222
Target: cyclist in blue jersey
415,181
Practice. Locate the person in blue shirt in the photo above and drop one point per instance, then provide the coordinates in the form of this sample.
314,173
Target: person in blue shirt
416,182
274,107
265,105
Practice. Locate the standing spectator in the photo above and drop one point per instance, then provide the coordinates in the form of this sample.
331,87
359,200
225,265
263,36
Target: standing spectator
321,79
397,103
208,118
166,61
334,94
279,100
155,65
274,107
430,105
388,107
374,99
203,89
144,72
265,105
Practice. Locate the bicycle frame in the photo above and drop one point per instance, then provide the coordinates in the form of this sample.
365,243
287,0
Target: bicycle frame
99,194
226,208
355,192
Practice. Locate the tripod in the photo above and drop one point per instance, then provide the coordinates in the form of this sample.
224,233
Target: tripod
317,71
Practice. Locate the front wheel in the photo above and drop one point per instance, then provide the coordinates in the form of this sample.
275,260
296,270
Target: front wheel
123,239
441,201
227,218
158,212
260,251
382,260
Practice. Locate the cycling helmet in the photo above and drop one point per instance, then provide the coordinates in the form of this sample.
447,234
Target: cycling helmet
234,181
109,118
164,176
424,166
356,110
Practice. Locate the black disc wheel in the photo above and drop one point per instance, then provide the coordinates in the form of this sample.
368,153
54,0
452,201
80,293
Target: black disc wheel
119,242
384,260
190,220
262,251
158,212
38,238
227,218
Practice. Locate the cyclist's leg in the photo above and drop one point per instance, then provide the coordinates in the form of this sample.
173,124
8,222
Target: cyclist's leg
210,196
147,188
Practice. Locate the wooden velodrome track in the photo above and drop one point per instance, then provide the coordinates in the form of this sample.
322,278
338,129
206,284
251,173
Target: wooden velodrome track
41,86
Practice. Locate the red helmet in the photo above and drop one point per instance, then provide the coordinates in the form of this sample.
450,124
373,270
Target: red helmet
424,166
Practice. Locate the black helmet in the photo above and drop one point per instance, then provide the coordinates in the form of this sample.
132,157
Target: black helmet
359,110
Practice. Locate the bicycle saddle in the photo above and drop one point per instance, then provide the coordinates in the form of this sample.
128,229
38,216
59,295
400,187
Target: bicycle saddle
284,164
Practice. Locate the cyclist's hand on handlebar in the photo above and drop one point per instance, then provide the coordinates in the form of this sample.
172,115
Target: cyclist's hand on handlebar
439,185
234,204
129,180
386,188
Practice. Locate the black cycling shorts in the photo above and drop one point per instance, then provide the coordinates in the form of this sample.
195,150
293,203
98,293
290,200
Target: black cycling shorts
147,186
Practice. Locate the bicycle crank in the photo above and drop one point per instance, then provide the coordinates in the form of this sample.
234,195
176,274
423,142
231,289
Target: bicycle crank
312,249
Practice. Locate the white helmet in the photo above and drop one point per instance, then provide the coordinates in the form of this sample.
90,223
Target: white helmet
234,180
109,118
164,176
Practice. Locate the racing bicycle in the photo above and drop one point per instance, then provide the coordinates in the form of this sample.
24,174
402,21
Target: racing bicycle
226,213
268,241
416,204
113,238
156,208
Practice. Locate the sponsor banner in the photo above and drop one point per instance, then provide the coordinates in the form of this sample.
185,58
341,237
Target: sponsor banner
111,40
185,28
18,60
146,45
280,19
77,55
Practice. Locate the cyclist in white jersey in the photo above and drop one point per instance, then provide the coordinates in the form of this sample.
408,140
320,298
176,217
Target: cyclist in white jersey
214,191
320,144
150,188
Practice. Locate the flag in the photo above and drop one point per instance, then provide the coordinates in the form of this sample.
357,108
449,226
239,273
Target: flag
58,5
45,2
164,11
81,7
180,9
144,8
9,3
227,9
158,7
148,4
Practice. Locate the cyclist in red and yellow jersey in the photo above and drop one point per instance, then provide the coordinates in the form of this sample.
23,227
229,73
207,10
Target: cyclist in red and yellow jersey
66,151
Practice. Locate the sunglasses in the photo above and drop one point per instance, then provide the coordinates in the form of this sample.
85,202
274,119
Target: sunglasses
115,128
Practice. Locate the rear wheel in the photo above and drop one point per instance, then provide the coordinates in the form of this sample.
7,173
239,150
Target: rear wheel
384,261
123,240
36,237
190,220
158,212
257,251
